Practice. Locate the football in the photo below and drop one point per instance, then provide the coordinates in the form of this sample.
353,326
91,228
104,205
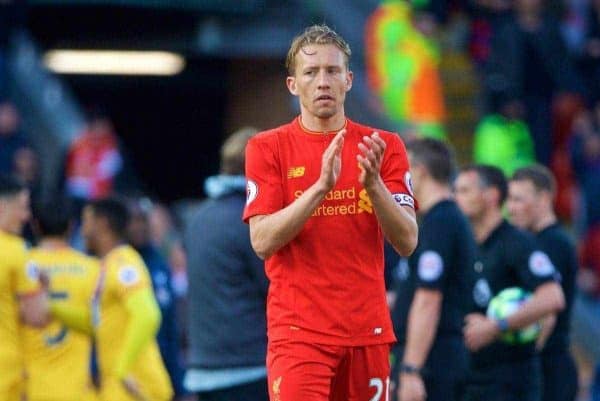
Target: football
504,304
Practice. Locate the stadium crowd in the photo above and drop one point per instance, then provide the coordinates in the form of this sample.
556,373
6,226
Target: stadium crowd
115,290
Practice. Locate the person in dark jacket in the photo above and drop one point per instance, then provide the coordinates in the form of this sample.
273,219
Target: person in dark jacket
160,273
528,65
227,289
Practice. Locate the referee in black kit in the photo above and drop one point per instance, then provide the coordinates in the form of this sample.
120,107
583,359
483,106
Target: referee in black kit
530,205
430,357
508,257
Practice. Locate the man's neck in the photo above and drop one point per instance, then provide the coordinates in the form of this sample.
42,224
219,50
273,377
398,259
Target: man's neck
53,243
316,124
106,244
546,220
487,223
431,193
9,232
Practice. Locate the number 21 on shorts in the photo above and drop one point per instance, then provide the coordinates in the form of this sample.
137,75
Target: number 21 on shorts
378,384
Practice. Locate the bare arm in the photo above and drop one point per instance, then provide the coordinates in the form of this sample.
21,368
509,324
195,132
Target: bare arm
268,233
547,324
423,320
398,223
33,309
546,300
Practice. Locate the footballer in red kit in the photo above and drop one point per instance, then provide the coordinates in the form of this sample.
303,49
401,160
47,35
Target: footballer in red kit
323,193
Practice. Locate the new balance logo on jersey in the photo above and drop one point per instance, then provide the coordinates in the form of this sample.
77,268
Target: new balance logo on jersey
296,172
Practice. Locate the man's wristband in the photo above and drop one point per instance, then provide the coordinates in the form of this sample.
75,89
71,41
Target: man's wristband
502,325
410,369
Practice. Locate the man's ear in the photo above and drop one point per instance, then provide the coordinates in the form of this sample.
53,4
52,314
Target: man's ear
418,171
349,79
547,197
291,84
492,196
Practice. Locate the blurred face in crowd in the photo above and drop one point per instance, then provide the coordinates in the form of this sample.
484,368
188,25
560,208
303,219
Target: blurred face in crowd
101,126
470,194
26,164
523,203
529,5
9,119
138,230
321,80
14,212
160,224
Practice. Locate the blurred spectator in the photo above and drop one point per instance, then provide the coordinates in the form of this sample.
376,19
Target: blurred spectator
160,274
166,238
438,9
589,60
17,157
402,67
589,275
574,25
585,158
12,17
93,161
529,63
485,14
12,139
503,140
228,290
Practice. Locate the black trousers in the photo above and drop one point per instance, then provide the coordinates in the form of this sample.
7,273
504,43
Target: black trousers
445,370
515,381
254,391
559,377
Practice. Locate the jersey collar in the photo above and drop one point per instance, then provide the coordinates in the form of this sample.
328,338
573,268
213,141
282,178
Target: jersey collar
307,131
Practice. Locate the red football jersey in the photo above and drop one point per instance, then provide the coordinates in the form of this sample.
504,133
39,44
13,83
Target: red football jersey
327,284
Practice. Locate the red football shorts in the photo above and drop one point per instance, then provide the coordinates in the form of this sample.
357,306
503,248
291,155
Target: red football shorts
299,371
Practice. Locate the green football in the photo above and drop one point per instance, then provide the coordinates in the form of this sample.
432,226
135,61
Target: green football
507,302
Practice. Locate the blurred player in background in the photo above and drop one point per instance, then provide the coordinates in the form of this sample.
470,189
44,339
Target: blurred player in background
532,191
124,313
431,303
57,359
322,193
20,300
507,257
160,274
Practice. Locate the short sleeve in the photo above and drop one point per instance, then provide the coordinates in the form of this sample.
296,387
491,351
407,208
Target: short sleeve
435,250
129,277
264,193
395,172
533,265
